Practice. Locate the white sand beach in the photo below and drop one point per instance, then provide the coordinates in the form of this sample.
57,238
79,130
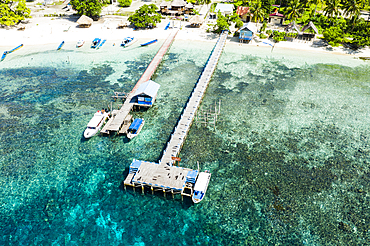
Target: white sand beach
48,30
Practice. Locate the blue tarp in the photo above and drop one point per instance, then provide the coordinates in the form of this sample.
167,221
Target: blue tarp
135,125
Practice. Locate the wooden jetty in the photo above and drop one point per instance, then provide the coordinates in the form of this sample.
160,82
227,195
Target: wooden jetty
183,125
164,176
115,124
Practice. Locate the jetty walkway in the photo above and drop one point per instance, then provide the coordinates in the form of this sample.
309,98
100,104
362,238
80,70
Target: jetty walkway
115,123
164,176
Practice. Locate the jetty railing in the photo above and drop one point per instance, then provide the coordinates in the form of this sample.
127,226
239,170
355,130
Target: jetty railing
115,124
182,128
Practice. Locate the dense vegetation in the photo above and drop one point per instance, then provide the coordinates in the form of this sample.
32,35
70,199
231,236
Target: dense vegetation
12,12
145,17
124,3
91,8
338,20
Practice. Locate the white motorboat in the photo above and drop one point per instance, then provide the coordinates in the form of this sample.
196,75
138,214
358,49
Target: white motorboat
201,186
80,43
128,41
95,123
135,128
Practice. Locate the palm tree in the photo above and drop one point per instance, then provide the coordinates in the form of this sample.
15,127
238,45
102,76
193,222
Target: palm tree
352,7
316,2
332,8
257,12
295,10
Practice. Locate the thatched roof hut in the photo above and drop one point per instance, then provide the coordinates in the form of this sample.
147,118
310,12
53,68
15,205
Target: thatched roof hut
85,21
196,21
178,3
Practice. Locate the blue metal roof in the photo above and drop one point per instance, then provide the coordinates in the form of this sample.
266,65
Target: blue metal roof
136,124
135,164
148,88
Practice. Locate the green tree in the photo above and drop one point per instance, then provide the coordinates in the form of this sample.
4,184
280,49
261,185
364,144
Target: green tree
316,2
145,17
124,3
332,8
257,12
222,23
12,12
91,8
352,7
295,10
267,6
334,35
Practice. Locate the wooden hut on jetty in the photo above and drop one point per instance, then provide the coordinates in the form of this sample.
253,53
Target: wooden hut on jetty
84,21
247,31
146,94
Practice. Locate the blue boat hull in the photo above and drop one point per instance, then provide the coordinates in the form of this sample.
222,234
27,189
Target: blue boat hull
150,42
10,51
60,46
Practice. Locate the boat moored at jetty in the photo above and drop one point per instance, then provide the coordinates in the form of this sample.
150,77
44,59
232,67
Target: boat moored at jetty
201,186
150,42
80,43
135,128
128,41
95,123
95,43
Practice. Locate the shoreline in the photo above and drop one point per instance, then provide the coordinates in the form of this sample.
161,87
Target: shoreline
46,30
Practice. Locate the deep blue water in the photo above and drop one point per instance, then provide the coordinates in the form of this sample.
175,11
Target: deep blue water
289,155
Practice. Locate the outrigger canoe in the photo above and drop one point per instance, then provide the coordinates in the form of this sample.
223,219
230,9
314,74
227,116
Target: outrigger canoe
60,46
95,43
101,44
10,51
150,42
168,25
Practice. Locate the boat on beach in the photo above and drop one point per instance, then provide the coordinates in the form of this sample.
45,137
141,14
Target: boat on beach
60,46
10,51
201,186
135,128
95,43
80,43
95,123
128,41
101,44
150,42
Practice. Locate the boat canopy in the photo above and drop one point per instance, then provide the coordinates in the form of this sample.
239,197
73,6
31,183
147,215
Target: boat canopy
192,175
94,122
202,182
149,88
135,125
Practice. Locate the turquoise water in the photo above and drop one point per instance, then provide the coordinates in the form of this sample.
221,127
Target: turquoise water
289,156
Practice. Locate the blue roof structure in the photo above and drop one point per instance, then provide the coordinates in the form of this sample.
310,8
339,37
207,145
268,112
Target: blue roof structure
192,175
136,124
149,88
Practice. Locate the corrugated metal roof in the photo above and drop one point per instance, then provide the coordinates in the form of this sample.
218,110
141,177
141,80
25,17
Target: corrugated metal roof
148,88
222,7
250,26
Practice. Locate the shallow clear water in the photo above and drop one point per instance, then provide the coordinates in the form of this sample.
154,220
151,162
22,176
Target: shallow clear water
288,156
